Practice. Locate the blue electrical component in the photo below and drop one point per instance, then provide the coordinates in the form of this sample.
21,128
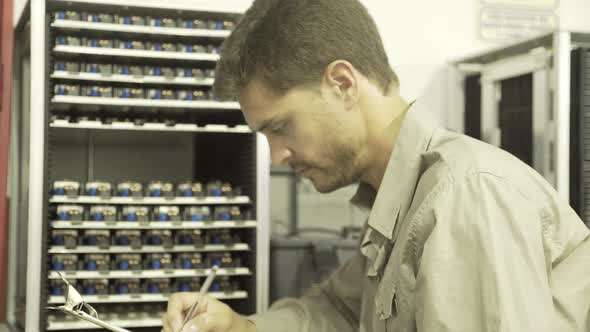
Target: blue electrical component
90,290
93,18
216,262
225,216
130,217
123,289
62,215
57,265
125,192
56,290
215,287
126,20
91,265
60,191
184,287
123,241
216,239
156,264
218,25
162,217
196,217
153,288
60,66
60,40
91,240
124,265
58,240
60,15
186,264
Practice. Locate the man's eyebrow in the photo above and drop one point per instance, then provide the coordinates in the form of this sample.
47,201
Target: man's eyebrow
264,125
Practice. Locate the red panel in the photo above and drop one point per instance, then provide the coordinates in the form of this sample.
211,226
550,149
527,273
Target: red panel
6,50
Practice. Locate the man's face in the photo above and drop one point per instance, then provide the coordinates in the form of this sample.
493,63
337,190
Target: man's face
311,129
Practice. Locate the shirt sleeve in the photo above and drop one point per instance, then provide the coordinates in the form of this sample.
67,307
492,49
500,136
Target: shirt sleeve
483,266
331,306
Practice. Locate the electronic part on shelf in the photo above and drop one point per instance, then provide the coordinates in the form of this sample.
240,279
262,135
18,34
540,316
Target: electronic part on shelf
197,213
70,212
96,91
224,284
126,262
159,238
103,213
96,237
158,261
190,237
126,286
223,259
190,189
95,287
67,15
127,238
130,189
157,286
64,262
219,188
96,262
187,285
58,287
64,237
66,89
160,189
135,213
98,188
166,213
69,66
222,236
227,213
189,261
130,20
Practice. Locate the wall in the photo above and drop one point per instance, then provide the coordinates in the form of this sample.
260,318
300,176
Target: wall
19,7
574,15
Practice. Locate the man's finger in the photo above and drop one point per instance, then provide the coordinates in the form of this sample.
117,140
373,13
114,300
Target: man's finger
178,304
208,323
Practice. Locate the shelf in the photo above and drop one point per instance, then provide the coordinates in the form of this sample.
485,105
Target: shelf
97,26
240,129
96,77
104,51
141,102
151,200
148,249
144,274
135,298
142,320
153,225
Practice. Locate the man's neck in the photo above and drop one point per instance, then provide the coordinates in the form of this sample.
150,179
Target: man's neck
384,124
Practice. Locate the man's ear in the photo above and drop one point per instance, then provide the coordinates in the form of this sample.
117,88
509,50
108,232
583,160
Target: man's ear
341,79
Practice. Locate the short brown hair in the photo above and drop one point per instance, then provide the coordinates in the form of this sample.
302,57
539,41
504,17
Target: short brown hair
288,43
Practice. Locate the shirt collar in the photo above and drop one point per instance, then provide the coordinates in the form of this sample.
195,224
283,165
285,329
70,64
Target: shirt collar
393,199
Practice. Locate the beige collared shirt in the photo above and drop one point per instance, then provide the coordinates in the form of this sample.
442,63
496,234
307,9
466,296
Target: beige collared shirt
461,236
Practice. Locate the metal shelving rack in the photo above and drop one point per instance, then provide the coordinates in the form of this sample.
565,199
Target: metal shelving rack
69,137
537,88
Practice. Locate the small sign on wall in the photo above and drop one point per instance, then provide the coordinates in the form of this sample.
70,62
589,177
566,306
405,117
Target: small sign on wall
505,24
538,4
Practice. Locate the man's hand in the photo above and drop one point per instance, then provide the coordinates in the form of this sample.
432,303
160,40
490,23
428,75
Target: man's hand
212,315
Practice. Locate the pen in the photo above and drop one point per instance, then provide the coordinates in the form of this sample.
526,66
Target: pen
202,292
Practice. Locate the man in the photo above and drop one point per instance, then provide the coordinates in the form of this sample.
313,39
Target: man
461,236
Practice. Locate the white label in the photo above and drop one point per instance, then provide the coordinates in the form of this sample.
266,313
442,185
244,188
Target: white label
523,3
504,25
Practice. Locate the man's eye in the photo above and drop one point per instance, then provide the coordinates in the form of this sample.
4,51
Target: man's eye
279,129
